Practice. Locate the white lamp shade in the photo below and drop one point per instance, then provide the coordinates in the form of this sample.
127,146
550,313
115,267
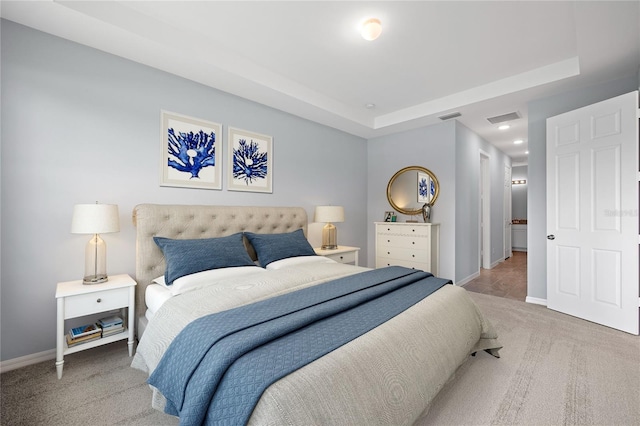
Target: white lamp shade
95,219
329,214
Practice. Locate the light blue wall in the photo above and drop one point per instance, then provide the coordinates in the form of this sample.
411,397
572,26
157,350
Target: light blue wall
468,146
431,147
452,152
539,111
80,125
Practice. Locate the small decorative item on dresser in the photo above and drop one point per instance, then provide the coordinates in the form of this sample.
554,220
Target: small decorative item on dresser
426,212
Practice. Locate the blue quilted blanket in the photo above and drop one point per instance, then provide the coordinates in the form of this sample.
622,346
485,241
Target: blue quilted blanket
216,369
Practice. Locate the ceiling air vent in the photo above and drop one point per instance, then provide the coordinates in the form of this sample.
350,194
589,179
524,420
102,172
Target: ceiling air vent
505,117
450,116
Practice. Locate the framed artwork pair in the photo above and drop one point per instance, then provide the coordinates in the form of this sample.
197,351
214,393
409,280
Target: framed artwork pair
193,155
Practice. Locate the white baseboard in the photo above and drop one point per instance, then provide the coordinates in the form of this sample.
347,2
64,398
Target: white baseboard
496,263
536,301
462,282
23,361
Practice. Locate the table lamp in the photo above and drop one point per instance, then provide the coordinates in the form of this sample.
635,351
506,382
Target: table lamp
330,215
95,219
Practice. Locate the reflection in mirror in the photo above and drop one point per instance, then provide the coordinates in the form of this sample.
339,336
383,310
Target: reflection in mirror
410,188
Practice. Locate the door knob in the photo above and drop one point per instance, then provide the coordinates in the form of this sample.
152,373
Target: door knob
551,237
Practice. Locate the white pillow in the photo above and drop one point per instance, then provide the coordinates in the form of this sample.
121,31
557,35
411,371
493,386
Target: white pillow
206,278
298,260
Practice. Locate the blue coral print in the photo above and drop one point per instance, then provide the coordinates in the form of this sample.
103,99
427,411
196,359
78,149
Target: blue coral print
191,152
423,188
249,164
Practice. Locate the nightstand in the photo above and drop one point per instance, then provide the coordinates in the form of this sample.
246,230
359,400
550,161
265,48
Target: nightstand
76,300
343,254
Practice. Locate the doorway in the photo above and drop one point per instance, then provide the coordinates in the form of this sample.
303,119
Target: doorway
508,277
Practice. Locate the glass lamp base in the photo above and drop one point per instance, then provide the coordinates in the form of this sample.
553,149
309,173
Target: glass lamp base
95,279
329,237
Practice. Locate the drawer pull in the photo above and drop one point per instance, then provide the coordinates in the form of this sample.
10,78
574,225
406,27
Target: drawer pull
413,242
413,255
341,257
99,300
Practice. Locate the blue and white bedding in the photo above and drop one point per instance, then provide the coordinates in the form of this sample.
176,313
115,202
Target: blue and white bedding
385,376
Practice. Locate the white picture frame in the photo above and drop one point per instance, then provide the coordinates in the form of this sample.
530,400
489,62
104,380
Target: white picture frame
191,152
250,161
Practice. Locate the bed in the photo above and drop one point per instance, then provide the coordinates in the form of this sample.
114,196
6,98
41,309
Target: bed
387,375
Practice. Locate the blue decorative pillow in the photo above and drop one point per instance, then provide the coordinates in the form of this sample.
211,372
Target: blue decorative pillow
272,247
184,257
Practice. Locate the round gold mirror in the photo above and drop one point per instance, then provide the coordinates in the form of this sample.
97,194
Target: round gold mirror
411,188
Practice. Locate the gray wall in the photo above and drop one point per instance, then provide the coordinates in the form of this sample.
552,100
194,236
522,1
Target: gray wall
519,193
452,152
431,147
80,125
467,254
539,111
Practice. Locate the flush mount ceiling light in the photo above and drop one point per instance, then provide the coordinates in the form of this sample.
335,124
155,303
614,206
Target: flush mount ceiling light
504,127
518,141
371,29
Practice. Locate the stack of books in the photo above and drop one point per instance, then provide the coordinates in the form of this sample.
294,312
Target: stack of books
111,325
83,334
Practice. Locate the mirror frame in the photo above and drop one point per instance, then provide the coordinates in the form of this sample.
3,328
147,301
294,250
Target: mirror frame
412,212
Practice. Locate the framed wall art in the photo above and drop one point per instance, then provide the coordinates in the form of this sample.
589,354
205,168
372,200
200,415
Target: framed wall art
191,154
250,161
424,187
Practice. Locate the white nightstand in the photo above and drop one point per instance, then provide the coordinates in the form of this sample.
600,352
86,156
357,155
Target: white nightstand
76,300
342,254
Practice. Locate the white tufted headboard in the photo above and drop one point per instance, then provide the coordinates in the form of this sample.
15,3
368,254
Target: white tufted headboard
190,222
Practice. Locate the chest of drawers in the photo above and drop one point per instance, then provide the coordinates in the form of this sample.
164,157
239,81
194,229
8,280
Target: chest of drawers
413,245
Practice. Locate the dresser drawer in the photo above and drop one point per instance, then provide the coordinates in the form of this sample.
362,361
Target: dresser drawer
401,253
381,262
411,241
406,230
99,301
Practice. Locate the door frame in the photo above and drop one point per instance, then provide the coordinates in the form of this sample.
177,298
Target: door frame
484,211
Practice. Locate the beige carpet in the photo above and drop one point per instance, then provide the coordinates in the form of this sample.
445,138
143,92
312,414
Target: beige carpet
554,370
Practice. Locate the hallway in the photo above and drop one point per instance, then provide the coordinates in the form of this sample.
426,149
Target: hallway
508,279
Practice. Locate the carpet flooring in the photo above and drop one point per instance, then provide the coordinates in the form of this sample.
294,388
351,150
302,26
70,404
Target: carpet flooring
554,370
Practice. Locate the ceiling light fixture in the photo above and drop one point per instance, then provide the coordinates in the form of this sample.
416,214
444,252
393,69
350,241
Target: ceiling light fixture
518,141
371,29
504,127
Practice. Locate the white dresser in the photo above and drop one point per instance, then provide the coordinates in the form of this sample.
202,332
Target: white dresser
414,245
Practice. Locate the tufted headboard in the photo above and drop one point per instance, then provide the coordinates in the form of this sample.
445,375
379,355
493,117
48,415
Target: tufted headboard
190,222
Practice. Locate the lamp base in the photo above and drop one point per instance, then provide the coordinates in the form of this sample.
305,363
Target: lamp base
95,279
329,247
329,237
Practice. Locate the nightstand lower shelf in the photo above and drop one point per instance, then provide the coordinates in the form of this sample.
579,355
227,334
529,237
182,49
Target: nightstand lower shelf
66,350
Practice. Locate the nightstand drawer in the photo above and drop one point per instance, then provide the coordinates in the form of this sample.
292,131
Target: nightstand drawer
99,301
348,257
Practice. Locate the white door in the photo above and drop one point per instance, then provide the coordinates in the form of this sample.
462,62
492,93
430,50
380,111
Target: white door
592,213
507,212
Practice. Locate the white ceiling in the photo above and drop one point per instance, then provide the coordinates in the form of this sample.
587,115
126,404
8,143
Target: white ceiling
479,58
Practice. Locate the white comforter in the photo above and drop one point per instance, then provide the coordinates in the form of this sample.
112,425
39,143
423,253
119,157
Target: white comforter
387,376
